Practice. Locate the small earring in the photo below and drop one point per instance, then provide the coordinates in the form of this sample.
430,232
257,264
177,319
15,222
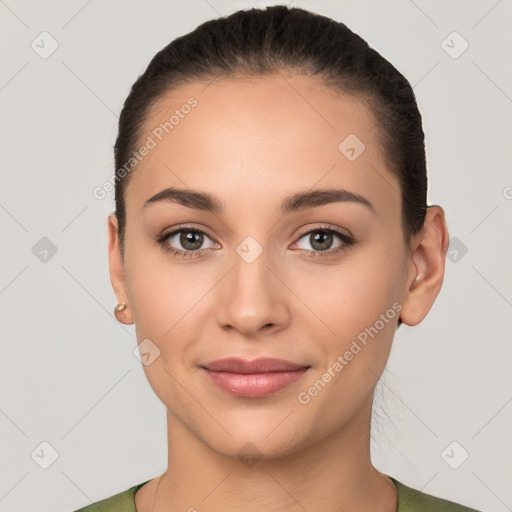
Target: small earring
120,307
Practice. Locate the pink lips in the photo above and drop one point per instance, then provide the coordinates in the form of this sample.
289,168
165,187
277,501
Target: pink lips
253,379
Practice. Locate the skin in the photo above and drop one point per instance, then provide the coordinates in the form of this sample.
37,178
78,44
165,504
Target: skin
251,143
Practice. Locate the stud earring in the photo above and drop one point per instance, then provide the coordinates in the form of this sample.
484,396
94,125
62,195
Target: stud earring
120,307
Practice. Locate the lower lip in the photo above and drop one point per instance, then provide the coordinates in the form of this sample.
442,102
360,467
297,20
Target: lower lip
254,385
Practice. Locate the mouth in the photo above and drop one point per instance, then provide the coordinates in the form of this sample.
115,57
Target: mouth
253,379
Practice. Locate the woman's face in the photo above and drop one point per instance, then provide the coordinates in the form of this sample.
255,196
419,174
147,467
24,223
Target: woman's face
266,280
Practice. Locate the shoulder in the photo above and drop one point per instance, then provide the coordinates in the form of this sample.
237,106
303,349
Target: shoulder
412,500
120,502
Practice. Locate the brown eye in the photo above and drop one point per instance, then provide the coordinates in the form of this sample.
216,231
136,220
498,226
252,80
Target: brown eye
321,240
186,240
324,242
191,240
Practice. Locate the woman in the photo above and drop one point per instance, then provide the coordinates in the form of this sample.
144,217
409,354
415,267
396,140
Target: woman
271,232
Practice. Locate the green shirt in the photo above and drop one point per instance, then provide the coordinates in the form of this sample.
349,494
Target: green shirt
409,500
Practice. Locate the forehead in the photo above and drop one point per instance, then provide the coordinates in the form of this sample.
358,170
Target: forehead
265,136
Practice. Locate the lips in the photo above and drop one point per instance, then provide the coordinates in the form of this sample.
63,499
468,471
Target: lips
262,365
253,379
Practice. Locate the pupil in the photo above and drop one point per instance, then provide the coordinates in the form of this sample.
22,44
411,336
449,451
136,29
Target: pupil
325,240
188,238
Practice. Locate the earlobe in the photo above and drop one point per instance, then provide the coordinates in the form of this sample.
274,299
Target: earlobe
427,267
116,269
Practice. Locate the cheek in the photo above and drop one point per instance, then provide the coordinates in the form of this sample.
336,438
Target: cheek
154,292
169,302
348,296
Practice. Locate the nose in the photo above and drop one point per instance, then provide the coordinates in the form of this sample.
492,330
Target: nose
252,297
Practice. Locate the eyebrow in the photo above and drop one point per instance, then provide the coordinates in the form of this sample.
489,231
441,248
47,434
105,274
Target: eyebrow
299,201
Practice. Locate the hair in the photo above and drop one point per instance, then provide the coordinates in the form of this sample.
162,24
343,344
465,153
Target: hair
259,42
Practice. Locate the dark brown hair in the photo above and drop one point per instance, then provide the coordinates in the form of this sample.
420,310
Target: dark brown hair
257,42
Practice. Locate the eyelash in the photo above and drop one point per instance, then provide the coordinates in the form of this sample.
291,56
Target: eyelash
343,237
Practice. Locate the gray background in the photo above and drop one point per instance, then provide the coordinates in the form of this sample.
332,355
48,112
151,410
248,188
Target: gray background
68,375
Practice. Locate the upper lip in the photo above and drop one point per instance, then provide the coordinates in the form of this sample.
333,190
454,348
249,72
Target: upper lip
261,365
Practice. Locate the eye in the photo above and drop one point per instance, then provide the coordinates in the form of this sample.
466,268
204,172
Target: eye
325,241
186,241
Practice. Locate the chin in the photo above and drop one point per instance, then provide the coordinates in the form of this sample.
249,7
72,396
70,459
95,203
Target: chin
251,449
258,439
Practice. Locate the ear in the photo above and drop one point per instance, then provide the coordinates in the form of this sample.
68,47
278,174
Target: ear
116,269
426,273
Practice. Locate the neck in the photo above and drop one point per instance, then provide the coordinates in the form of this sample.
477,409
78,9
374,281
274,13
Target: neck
333,474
